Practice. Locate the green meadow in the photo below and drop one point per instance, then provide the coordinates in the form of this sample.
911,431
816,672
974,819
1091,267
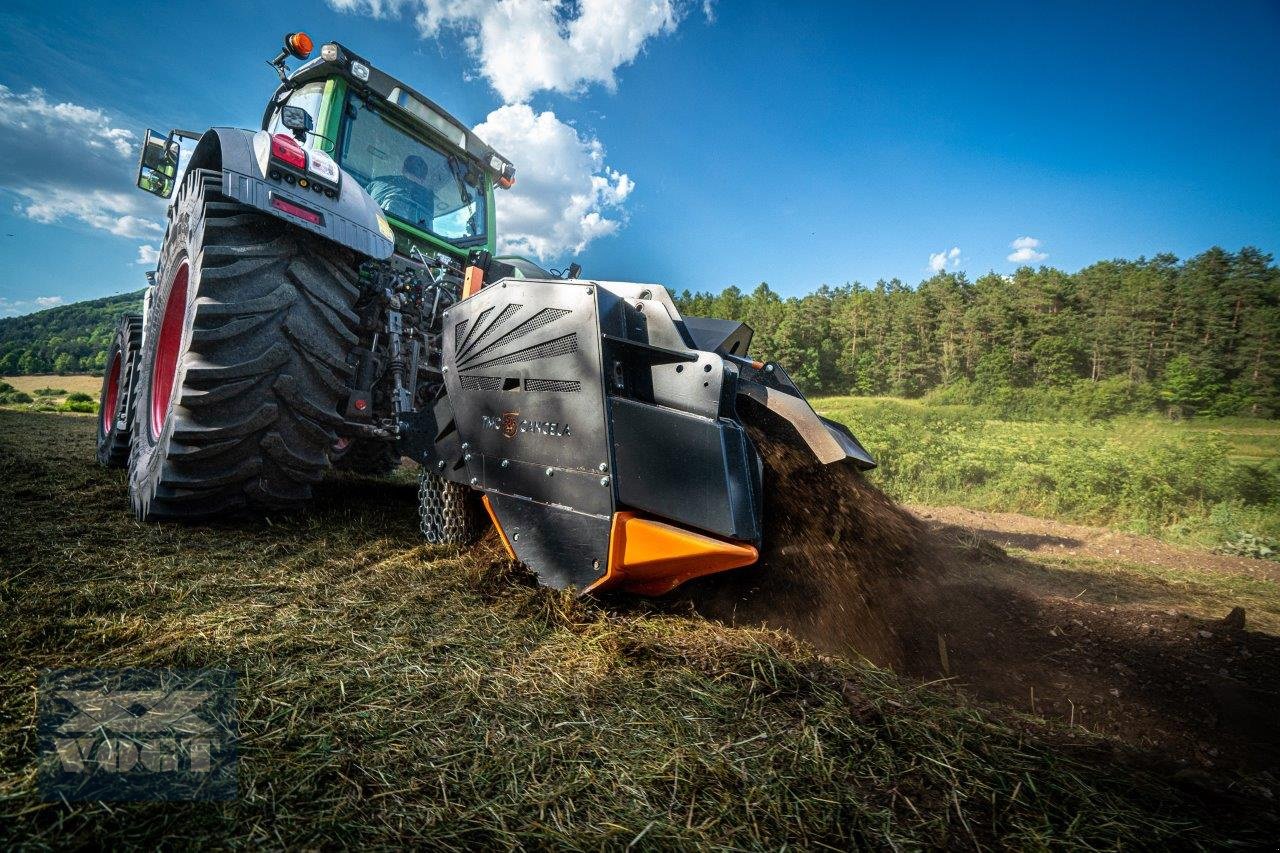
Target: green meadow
1212,482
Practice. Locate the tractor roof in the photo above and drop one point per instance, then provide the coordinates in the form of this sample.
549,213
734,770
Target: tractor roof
408,103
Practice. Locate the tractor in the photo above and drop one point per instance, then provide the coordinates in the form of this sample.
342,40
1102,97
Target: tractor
329,295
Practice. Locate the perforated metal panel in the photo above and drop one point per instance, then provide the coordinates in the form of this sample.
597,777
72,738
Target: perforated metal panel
558,386
472,382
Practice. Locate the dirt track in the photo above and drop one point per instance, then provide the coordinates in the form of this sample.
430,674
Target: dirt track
936,596
1047,537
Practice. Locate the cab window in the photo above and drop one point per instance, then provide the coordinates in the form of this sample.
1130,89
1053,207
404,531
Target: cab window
307,96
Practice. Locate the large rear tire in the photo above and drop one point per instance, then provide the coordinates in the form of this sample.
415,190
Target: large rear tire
243,369
119,386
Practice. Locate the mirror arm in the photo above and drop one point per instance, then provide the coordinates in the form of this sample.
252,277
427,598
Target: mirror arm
279,66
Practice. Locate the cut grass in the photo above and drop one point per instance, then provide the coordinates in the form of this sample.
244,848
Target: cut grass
392,693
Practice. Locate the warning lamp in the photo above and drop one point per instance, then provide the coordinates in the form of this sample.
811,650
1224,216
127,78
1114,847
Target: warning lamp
298,45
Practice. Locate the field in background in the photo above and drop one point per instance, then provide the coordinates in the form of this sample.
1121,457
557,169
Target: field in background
82,382
1209,482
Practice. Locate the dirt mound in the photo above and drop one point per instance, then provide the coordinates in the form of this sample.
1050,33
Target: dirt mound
835,548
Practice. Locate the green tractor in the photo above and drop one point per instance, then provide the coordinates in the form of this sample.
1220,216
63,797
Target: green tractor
328,293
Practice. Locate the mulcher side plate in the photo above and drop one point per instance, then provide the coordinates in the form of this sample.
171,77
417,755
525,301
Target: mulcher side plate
573,401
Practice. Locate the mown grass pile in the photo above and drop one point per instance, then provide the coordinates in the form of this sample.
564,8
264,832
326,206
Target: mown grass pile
1207,482
390,692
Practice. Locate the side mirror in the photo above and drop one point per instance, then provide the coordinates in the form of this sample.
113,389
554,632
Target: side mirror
298,120
574,271
158,167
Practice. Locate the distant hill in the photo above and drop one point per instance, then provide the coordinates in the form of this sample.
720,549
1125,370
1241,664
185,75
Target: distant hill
67,339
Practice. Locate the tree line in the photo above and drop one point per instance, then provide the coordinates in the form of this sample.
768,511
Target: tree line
68,339
1184,336
1194,336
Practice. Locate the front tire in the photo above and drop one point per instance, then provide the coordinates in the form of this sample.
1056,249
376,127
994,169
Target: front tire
119,386
244,368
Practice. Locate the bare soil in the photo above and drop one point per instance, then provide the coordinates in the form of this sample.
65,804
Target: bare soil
935,595
1043,536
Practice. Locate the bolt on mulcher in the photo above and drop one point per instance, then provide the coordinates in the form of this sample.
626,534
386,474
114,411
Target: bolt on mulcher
328,294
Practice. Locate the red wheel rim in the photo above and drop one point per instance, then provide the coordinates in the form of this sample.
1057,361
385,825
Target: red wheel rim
164,369
113,394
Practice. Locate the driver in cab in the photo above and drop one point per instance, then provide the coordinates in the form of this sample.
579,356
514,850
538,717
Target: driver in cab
406,194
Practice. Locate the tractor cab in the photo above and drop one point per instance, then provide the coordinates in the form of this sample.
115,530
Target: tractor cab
433,178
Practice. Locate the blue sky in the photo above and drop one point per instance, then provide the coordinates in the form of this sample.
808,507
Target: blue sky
696,145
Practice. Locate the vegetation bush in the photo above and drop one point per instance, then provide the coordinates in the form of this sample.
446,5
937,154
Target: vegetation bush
78,402
13,397
1248,545
50,392
1142,473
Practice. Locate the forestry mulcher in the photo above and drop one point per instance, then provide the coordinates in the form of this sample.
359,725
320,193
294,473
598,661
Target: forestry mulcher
328,295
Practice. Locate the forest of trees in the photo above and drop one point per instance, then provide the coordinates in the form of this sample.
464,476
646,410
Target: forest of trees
1197,336
68,339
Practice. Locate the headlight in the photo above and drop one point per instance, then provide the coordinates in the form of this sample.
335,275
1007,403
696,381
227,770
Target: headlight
330,52
360,71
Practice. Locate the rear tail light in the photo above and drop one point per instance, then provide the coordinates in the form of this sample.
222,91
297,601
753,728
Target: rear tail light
296,210
287,150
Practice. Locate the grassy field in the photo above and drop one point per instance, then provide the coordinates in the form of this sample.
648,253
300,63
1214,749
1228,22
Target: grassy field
1209,482
394,693
70,384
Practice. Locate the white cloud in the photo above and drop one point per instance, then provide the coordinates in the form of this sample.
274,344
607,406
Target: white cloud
147,255
709,10
565,194
110,211
1025,251
66,163
527,46
939,261
13,307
